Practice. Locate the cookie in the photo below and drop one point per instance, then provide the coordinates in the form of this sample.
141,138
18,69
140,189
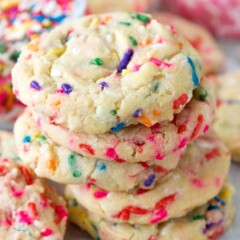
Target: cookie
227,122
103,6
198,177
7,145
29,208
57,163
105,72
206,222
219,17
212,56
24,18
138,143
10,108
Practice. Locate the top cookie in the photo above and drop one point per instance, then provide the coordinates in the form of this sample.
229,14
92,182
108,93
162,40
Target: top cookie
105,72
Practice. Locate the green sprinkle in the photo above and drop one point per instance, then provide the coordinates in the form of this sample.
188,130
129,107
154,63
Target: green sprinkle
97,61
200,93
16,159
113,112
72,164
198,217
155,87
125,23
3,47
74,202
42,137
14,56
133,41
141,17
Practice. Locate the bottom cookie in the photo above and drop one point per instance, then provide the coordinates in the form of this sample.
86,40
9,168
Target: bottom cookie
206,222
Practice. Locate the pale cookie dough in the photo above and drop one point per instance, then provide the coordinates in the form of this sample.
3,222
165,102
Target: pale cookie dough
104,72
55,162
7,145
103,6
138,143
206,222
30,210
227,120
211,54
198,177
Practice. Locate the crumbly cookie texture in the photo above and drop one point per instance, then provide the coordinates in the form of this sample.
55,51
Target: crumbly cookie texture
227,122
7,145
138,143
29,209
55,162
104,72
202,40
199,177
206,222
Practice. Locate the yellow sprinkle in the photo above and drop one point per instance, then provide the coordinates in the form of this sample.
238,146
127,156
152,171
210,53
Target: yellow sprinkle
58,51
226,193
47,23
125,72
95,21
5,4
32,47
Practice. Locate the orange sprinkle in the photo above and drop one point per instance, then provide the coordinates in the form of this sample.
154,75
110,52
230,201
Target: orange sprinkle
180,44
140,149
51,165
33,47
156,113
106,19
148,41
145,121
57,103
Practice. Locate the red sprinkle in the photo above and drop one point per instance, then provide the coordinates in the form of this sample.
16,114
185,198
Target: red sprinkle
125,213
212,154
182,128
198,183
165,201
32,209
180,101
197,127
141,191
26,175
144,164
87,147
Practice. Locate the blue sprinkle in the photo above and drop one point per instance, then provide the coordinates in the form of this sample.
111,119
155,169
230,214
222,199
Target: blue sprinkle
58,18
219,200
118,127
101,166
137,113
194,74
39,18
150,180
103,85
34,84
213,207
66,88
27,139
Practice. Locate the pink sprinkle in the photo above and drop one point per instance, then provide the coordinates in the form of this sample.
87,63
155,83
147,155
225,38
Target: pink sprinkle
136,67
47,232
6,222
198,183
158,216
111,153
218,182
88,185
23,217
183,143
39,122
100,194
160,63
205,128
151,138
15,193
159,156
61,211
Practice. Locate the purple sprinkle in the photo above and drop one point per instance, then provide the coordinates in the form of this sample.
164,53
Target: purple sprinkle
35,85
66,88
137,113
150,180
103,85
126,59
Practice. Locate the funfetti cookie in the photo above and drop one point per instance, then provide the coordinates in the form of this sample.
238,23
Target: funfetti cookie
21,19
103,6
198,177
29,209
55,162
211,54
138,143
218,16
206,222
227,122
105,72
7,145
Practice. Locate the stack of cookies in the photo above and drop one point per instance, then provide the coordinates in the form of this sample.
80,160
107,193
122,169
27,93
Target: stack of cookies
119,110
